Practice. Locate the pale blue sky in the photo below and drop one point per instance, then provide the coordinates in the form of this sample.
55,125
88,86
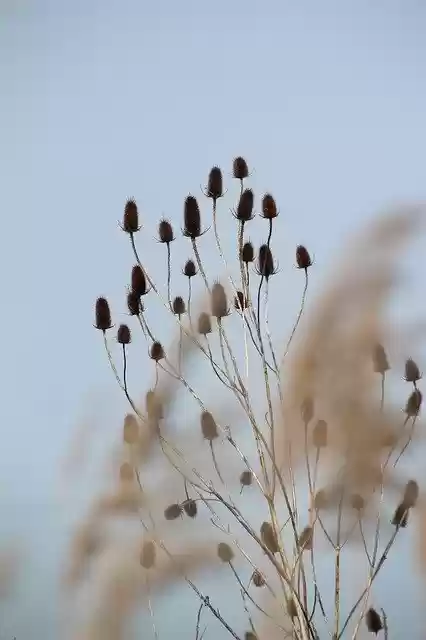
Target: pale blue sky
103,100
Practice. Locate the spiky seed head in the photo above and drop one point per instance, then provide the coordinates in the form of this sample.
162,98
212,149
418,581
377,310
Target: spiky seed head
147,554
412,371
247,252
258,579
306,538
190,508
265,262
178,306
268,537
250,635
123,334
414,403
244,212
225,552
215,184
156,352
204,324
208,426
138,281
173,511
219,302
400,517
190,270
269,207
102,315
411,493
240,168
320,499
373,621
131,217
153,405
319,435
357,502
126,472
291,608
303,259
246,478
307,410
191,218
133,303
165,231
240,301
380,360
130,429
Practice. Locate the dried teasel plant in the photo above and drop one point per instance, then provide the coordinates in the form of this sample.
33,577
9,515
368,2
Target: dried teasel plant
305,430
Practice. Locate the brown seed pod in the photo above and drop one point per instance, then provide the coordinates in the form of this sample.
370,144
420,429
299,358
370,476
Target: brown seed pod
319,435
240,168
250,635
157,351
190,508
412,372
126,472
269,538
173,511
191,218
380,360
138,281
307,410
269,207
123,334
208,426
411,493
154,406
357,502
400,517
244,212
147,555
291,608
131,217
165,232
130,429
258,579
246,478
247,253
102,315
265,262
219,302
178,306
240,301
225,552
373,621
320,500
133,303
303,259
190,270
204,324
306,538
215,184
414,403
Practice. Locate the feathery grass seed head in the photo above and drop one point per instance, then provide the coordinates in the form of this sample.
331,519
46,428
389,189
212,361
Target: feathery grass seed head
123,334
102,315
131,217
215,184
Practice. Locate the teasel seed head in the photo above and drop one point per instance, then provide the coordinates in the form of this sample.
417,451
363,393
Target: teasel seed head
147,555
258,579
411,493
102,315
165,232
380,360
134,303
247,252
138,281
204,324
303,259
307,410
244,212
373,621
153,405
191,218
131,217
265,262
240,168
400,517
246,478
319,435
219,302
291,608
268,537
173,511
357,502
240,301
126,472
215,184
225,552
190,270
269,207
157,351
250,635
414,403
178,306
306,538
130,429
320,500
412,372
208,426
123,334
190,508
